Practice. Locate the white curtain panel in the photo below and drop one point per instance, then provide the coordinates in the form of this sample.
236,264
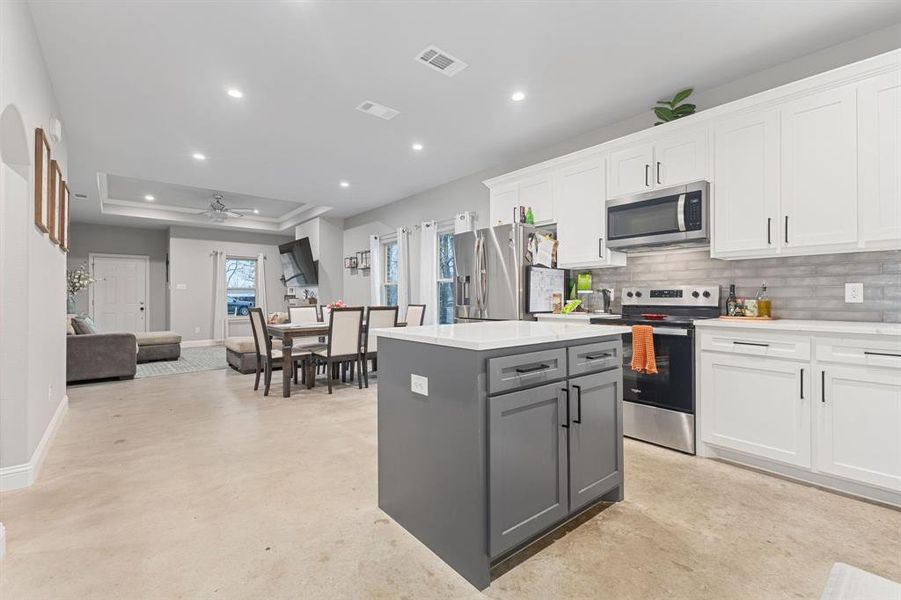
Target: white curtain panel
403,270
428,271
375,270
261,283
219,298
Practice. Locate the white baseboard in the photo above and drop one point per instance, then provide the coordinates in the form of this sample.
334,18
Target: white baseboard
2,540
201,343
21,476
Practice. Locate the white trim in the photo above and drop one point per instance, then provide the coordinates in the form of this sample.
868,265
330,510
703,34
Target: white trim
147,310
201,343
2,540
22,476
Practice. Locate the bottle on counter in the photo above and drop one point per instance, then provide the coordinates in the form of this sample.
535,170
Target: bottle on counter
764,304
731,302
530,217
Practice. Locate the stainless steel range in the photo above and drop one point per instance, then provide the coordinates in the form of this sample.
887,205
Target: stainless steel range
660,408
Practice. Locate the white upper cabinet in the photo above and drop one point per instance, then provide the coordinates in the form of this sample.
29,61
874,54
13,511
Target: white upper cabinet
673,160
819,171
630,171
581,216
879,160
681,159
537,193
746,189
503,201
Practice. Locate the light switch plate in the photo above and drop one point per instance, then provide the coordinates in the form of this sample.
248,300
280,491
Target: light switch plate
419,384
853,293
181,286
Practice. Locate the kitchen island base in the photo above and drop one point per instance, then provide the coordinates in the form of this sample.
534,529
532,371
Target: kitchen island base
497,447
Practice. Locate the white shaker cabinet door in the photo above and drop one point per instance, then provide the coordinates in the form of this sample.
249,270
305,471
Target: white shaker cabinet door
746,186
681,159
879,152
757,405
630,171
502,202
537,193
859,433
819,171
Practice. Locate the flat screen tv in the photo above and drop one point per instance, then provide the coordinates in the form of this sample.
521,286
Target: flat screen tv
298,265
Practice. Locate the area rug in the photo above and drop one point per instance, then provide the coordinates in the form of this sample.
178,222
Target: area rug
192,360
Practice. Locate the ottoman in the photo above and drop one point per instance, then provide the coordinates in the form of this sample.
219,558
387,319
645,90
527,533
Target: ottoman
158,345
241,353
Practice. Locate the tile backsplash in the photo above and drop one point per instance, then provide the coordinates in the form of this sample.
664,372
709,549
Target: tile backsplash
801,287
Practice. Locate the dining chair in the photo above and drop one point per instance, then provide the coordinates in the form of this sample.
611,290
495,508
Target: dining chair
345,339
267,356
377,317
415,315
304,314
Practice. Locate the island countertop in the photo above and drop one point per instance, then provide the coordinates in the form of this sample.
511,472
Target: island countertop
492,335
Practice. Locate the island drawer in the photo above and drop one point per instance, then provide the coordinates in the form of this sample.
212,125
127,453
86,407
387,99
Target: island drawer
595,357
508,373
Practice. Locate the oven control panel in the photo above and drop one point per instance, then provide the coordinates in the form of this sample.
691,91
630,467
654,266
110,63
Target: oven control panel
682,295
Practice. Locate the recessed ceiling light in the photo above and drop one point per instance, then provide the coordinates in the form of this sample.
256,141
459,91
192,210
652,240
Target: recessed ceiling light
344,184
199,156
417,146
149,198
256,211
235,93
518,96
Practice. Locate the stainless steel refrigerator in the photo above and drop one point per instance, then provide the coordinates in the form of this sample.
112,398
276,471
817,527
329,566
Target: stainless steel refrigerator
490,272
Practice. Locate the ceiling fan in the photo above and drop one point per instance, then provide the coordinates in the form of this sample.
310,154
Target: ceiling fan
219,212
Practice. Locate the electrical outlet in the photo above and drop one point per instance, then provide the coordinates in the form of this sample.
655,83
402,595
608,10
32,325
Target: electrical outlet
853,293
419,384
197,330
181,286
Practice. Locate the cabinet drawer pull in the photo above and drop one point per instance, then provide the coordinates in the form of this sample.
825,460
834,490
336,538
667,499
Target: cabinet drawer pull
578,418
751,344
823,386
597,356
802,384
769,230
647,175
535,369
868,353
786,229
658,172
600,247
566,391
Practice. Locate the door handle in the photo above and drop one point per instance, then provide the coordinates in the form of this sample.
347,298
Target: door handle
823,386
786,229
658,172
769,231
647,175
566,391
578,418
802,384
600,247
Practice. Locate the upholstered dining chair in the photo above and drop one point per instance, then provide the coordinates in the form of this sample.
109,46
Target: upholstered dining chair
377,317
304,314
267,356
415,315
345,338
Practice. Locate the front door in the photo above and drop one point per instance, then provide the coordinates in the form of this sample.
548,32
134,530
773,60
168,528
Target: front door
119,295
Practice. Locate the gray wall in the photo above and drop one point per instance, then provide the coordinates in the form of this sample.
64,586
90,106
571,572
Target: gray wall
468,193
327,244
191,263
114,239
801,287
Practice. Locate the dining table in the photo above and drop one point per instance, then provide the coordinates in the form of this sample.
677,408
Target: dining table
287,333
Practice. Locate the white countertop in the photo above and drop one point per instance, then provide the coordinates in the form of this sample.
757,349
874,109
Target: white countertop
578,317
839,327
491,335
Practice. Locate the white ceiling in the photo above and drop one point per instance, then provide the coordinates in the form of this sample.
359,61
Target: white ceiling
142,84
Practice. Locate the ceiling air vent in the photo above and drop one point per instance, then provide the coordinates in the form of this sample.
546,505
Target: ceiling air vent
441,61
378,110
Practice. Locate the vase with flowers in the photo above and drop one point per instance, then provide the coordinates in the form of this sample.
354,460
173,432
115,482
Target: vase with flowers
336,304
77,279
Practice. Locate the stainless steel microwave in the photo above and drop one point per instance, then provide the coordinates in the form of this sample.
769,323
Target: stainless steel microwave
676,216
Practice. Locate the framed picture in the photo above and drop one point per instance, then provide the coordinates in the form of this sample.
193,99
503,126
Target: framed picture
52,201
364,259
64,216
41,179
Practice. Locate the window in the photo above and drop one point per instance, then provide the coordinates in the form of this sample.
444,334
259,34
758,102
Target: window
445,277
390,274
240,285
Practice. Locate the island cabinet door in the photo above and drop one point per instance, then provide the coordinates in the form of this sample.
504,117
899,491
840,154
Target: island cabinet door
527,453
595,436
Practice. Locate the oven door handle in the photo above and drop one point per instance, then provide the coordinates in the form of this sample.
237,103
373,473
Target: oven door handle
670,331
680,212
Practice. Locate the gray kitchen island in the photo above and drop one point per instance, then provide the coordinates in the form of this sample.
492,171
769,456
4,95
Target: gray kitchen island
492,434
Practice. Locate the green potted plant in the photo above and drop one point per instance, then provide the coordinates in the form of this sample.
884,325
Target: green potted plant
670,110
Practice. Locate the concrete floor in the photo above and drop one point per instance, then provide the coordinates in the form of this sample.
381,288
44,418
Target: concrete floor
194,486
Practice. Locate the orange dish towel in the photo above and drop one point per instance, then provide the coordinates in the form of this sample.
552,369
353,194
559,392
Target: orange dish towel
643,358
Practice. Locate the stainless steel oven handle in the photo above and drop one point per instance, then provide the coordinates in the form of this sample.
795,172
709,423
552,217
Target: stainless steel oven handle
669,331
680,212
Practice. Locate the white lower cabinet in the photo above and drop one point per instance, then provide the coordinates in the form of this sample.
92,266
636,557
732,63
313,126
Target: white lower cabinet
859,424
831,416
755,404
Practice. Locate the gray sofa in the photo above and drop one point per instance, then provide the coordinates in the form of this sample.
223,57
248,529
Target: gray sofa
101,356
